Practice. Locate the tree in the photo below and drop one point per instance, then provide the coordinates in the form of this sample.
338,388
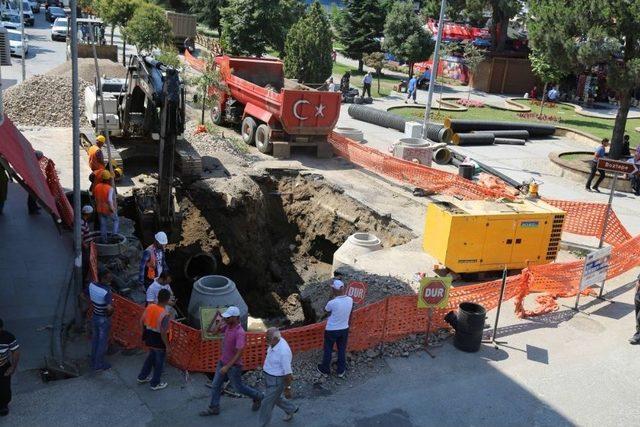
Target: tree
377,61
308,47
148,28
286,14
547,73
117,13
168,56
208,12
405,35
575,36
361,26
209,83
473,57
246,26
501,12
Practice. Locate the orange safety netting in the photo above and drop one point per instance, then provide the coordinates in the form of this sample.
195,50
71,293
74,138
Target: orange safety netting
62,203
397,316
195,63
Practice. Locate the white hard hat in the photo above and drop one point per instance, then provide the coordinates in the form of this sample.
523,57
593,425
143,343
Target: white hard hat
232,311
161,237
87,209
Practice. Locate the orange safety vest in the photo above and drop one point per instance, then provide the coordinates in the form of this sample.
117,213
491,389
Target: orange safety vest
151,264
152,318
101,194
94,162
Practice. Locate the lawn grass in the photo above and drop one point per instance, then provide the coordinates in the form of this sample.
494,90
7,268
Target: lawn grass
386,82
601,128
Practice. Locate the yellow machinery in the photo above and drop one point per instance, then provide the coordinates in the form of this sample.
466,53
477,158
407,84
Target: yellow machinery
477,235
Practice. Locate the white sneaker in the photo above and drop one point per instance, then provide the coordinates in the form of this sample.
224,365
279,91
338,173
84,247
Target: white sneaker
146,380
159,386
289,417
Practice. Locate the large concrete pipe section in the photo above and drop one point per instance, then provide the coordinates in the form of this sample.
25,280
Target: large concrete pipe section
115,245
356,245
534,129
199,265
215,291
351,133
414,149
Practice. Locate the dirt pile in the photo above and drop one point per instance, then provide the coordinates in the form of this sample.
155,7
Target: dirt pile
43,101
209,143
87,69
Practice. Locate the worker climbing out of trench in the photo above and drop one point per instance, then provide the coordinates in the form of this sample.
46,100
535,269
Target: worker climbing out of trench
154,260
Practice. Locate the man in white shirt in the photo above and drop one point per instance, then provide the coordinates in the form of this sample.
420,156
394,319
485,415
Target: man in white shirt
337,329
162,282
366,84
278,376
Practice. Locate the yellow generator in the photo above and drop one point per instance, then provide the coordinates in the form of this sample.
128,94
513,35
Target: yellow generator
476,235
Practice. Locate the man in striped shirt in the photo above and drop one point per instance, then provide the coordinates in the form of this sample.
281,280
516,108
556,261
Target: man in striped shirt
100,295
87,213
9,357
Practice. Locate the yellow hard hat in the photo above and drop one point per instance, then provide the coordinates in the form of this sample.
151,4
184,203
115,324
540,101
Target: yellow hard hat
106,176
100,139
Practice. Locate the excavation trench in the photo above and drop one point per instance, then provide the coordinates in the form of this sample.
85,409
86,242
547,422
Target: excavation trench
272,235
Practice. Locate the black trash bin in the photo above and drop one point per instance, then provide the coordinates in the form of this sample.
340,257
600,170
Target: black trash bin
466,171
469,327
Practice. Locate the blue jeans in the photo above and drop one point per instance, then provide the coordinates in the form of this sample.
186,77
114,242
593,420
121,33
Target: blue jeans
101,326
104,219
339,338
235,376
155,361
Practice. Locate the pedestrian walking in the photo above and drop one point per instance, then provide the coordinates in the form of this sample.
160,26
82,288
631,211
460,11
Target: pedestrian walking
101,301
4,187
9,358
600,153
626,151
635,339
155,325
366,84
154,260
412,89
635,177
331,86
162,282
230,364
345,82
106,206
278,376
337,329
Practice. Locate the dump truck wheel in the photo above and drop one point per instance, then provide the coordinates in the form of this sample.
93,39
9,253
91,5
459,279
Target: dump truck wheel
263,139
248,130
216,115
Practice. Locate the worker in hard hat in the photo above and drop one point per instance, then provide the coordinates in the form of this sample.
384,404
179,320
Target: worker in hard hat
106,205
153,261
96,161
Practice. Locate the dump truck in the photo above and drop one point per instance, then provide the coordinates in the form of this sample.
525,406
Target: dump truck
183,30
274,113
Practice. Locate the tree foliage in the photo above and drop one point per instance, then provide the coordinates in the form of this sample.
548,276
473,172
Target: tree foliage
501,12
285,14
207,11
360,27
148,28
246,26
377,61
209,84
308,47
117,13
575,36
405,35
473,57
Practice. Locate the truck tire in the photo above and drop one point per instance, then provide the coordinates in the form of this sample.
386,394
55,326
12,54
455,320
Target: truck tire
248,130
216,115
263,139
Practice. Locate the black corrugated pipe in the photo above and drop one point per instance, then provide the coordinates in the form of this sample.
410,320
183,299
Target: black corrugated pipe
509,141
534,129
473,139
516,134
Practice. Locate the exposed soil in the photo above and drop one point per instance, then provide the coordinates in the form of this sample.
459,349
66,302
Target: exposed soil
273,234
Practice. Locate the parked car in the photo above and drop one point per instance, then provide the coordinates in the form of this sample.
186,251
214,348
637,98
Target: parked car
11,21
16,44
59,29
29,18
54,12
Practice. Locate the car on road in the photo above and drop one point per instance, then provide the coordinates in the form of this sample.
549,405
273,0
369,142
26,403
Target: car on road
29,18
59,29
16,44
11,21
54,12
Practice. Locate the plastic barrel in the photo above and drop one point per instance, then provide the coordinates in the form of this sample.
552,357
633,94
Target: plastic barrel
470,327
466,171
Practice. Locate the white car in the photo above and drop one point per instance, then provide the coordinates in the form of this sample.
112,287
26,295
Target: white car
16,44
27,11
59,29
11,21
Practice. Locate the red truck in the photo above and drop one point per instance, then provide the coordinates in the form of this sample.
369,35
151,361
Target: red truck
275,113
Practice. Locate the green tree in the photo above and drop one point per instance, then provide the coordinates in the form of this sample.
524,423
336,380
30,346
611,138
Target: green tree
473,57
405,35
286,14
148,28
308,47
116,13
501,12
209,84
208,12
547,73
168,56
575,36
246,26
376,61
361,26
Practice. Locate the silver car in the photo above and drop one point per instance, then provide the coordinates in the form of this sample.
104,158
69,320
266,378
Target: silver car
59,29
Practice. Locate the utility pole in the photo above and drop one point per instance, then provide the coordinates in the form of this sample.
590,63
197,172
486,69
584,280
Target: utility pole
75,106
21,8
434,70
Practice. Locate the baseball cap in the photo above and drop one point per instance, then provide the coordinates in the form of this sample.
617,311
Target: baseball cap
87,209
337,284
161,237
232,311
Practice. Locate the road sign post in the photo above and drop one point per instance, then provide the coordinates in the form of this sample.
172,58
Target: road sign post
596,265
495,326
433,292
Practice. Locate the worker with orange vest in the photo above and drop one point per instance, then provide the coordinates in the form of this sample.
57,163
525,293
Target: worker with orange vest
155,326
153,261
96,161
106,205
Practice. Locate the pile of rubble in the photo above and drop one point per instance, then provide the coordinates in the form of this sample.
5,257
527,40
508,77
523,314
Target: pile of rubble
209,143
43,101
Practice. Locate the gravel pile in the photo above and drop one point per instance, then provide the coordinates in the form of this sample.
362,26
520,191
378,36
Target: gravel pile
43,101
208,144
87,69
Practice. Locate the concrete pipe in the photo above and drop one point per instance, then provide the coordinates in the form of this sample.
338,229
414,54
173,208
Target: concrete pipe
351,133
442,156
199,265
215,291
356,245
414,149
115,245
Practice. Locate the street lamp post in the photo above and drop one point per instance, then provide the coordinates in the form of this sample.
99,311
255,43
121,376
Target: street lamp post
434,70
21,8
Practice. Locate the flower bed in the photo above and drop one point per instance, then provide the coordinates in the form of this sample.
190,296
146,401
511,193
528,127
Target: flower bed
539,117
470,103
